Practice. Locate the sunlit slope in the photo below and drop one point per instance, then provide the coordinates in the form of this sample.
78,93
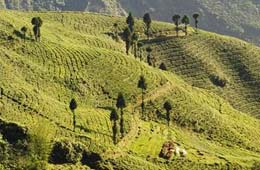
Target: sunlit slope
198,57
77,59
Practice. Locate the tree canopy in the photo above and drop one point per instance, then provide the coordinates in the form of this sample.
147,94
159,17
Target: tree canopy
113,115
120,101
130,22
142,83
176,19
167,106
73,104
185,20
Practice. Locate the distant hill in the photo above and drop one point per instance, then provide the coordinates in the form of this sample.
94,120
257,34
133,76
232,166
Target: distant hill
211,81
230,17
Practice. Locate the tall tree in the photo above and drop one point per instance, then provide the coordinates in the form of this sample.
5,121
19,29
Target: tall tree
139,46
135,39
121,104
116,31
130,22
176,19
150,59
127,36
73,107
186,21
168,107
196,19
148,22
37,22
142,85
24,31
114,117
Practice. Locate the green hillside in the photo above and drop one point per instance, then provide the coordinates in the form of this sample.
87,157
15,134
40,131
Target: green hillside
76,58
200,57
239,18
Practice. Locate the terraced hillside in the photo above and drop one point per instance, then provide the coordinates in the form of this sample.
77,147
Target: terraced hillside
229,17
201,57
77,58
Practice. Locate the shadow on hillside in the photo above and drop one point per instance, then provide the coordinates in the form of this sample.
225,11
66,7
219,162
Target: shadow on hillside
19,34
161,39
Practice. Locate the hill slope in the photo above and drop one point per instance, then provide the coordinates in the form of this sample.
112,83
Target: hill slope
77,59
230,17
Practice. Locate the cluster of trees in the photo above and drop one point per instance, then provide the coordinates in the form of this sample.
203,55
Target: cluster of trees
131,37
114,117
37,23
186,21
120,104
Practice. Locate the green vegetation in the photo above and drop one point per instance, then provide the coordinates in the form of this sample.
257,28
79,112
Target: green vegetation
217,125
143,86
196,17
24,30
130,22
168,107
114,117
186,21
148,22
120,104
176,19
73,107
236,18
37,22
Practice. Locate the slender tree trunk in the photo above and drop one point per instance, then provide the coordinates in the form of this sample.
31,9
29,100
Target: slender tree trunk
186,30
196,25
114,132
140,54
24,36
142,103
168,117
74,120
122,124
147,31
127,47
37,33
135,50
177,30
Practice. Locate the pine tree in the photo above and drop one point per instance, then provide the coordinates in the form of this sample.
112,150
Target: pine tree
142,85
148,22
73,107
121,105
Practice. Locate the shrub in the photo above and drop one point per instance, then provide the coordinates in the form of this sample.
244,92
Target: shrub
12,132
218,81
90,158
66,152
